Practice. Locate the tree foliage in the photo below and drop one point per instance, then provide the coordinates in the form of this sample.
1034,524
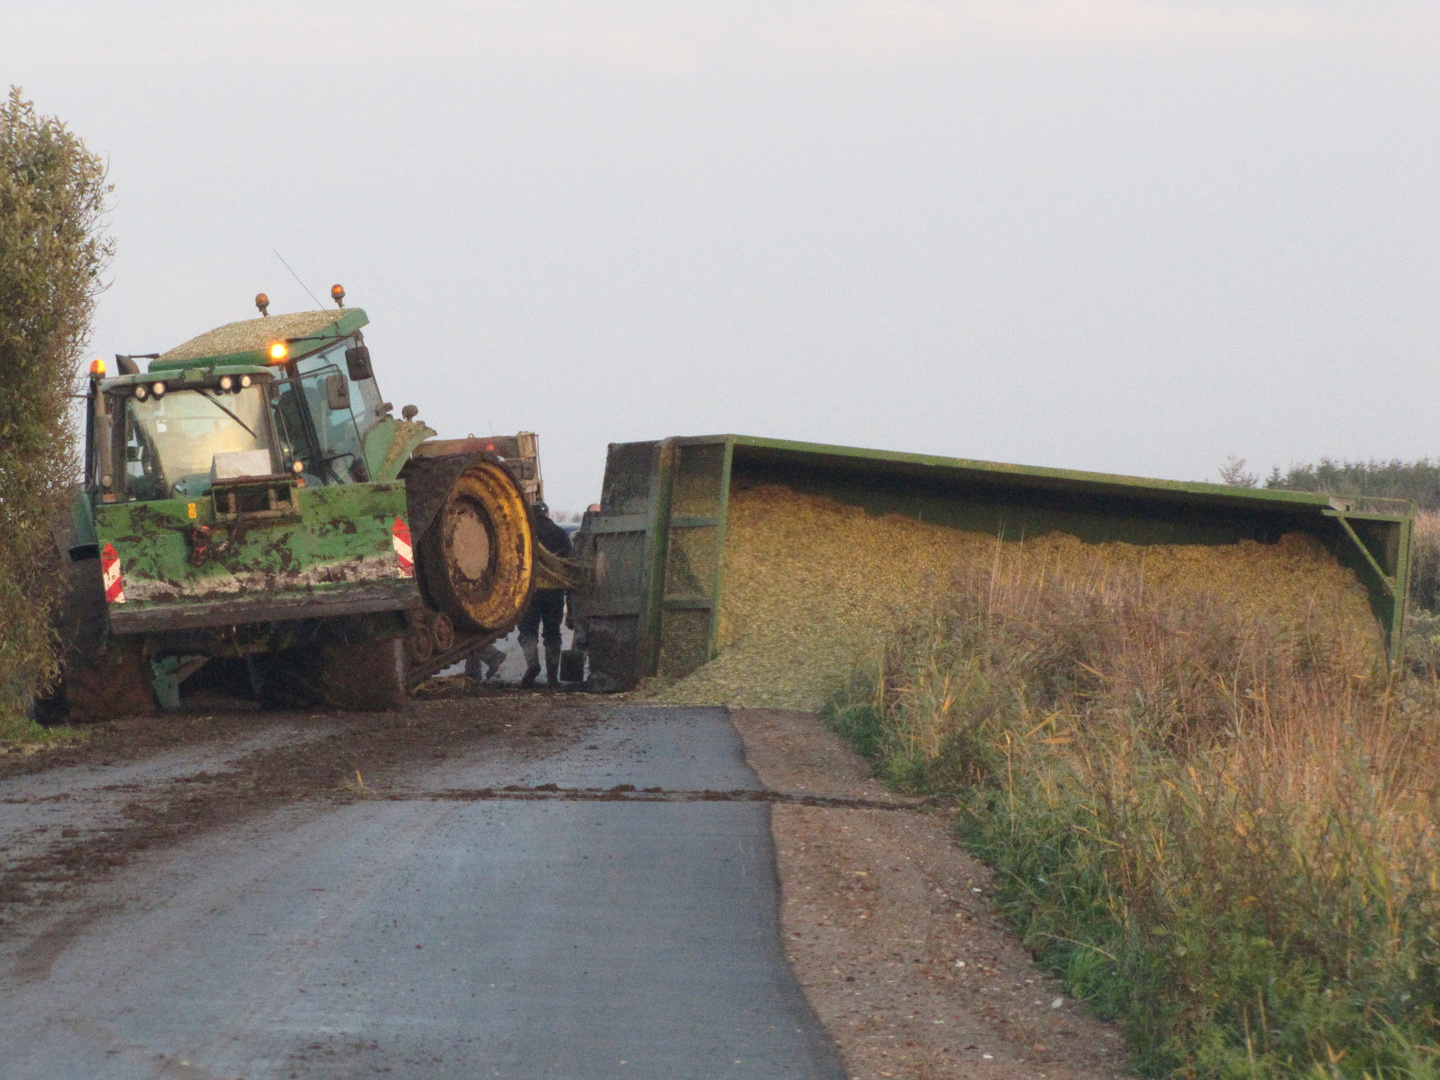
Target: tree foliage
1418,480
1233,473
52,251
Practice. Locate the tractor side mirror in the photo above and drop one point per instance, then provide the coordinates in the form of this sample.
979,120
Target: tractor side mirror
358,362
337,392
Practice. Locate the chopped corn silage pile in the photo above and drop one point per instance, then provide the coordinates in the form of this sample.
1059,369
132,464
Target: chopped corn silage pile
812,585
247,335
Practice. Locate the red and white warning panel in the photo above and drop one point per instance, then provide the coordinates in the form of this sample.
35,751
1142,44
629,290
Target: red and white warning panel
400,534
110,574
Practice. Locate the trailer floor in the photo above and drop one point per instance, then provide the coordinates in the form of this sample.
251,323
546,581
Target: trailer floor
241,894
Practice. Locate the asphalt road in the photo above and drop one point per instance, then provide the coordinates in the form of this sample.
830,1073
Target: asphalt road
424,938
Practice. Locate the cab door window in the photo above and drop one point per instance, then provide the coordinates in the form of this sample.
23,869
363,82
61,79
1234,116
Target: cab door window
364,395
317,426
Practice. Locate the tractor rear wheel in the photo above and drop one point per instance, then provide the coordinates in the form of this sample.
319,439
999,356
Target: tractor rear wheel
103,677
368,676
117,682
477,558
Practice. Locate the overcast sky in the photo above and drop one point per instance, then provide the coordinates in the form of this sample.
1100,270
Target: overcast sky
1123,235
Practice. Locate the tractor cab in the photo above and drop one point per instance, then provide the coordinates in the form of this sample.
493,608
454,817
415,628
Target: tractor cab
289,396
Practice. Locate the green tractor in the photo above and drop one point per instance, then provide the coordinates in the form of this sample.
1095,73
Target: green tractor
250,498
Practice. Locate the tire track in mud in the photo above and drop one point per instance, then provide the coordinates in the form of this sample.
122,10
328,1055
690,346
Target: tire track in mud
630,793
149,810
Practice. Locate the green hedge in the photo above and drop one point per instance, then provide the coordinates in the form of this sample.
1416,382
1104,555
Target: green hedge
52,251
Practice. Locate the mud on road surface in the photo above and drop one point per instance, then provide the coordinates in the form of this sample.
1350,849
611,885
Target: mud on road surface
885,922
550,892
72,814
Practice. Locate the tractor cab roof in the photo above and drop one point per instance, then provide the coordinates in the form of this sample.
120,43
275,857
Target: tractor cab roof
247,343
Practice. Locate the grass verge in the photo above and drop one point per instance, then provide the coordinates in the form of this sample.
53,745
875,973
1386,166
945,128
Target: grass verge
21,735
1219,828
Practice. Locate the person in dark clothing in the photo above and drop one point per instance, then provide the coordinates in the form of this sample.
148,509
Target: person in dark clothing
547,607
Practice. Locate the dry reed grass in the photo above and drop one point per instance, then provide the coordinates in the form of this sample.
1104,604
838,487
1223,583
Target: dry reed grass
1425,560
1212,818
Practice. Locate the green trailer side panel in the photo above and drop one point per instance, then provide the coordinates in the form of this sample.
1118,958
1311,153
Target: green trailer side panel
623,612
671,498
692,558
338,546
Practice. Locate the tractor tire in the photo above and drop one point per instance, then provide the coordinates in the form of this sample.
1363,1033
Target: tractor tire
368,676
99,679
477,557
82,620
118,682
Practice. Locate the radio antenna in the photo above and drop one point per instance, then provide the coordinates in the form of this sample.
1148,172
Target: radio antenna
296,277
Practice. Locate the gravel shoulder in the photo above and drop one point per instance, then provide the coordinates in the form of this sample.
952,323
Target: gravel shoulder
889,929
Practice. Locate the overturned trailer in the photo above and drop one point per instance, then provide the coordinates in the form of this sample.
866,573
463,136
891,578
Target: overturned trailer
655,603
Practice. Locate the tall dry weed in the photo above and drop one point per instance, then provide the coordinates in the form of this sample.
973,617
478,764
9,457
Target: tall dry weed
1425,560
1218,824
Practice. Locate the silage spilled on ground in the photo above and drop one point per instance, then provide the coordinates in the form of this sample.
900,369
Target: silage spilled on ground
811,585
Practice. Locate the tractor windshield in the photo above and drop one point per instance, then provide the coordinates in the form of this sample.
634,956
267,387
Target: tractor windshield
171,442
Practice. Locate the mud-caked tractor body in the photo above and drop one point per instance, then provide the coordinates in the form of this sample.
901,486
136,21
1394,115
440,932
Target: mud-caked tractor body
249,496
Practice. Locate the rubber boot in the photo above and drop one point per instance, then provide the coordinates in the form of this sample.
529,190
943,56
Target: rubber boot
552,664
489,659
531,648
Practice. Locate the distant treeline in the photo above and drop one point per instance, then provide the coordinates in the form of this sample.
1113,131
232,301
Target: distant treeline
1418,480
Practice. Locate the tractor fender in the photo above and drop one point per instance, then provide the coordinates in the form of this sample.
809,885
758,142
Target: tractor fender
389,444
